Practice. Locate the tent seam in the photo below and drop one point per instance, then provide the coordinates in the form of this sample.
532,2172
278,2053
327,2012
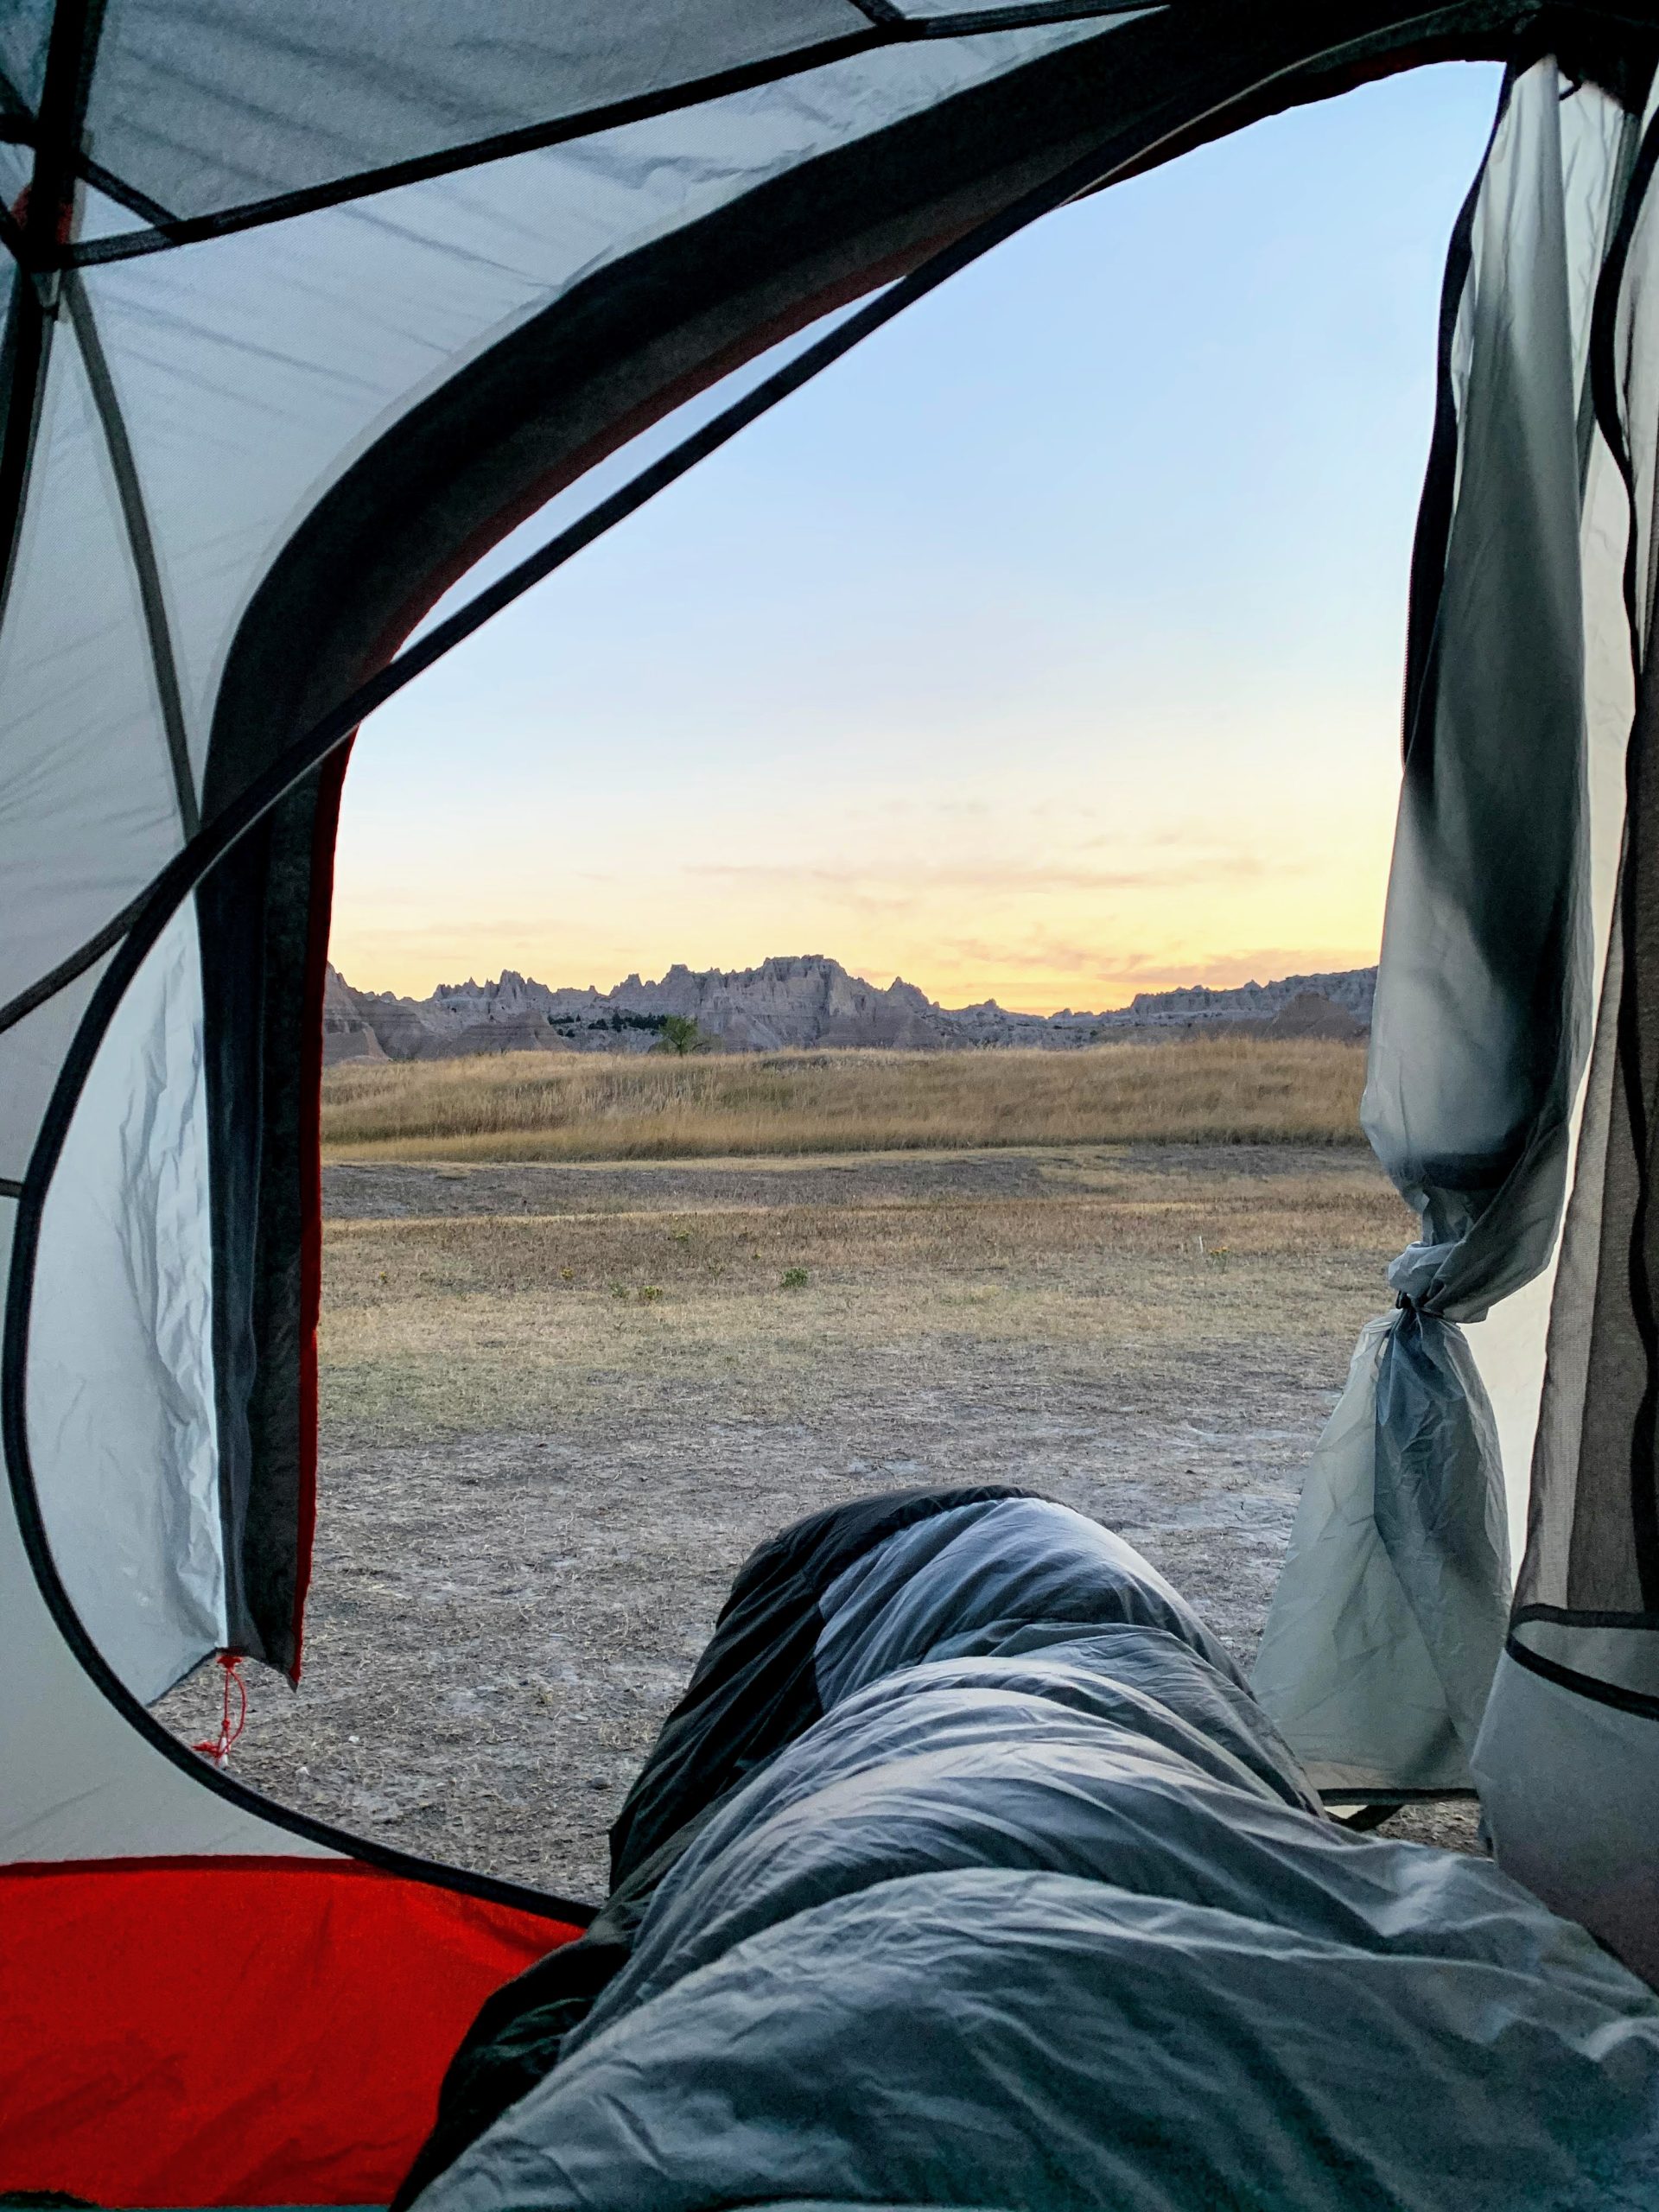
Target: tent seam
141,545
1582,1685
256,214
27,342
57,979
888,26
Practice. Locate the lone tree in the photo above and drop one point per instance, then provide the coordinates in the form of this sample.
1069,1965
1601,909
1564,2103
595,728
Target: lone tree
681,1035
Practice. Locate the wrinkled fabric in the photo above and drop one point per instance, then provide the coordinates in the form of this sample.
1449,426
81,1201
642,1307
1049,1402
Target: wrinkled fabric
1481,1023
1044,1914
981,1567
1568,1756
1440,1507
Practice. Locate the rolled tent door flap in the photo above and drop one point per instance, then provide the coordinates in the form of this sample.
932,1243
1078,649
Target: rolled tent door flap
1389,1619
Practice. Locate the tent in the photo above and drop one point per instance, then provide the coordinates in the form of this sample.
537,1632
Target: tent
305,308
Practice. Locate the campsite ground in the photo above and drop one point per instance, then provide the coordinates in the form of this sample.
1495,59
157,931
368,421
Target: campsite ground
561,1402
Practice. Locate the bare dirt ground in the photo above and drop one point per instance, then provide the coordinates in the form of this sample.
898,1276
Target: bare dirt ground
560,1403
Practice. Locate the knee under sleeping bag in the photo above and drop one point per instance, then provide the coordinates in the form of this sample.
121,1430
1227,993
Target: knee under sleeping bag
968,1873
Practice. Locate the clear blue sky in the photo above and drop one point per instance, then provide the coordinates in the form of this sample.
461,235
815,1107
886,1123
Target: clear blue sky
1048,647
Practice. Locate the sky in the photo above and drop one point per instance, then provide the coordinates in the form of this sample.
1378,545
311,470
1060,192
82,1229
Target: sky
1047,648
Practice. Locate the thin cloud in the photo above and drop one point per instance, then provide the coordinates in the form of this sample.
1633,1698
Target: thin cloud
442,937
1037,957
991,876
1097,981
1227,970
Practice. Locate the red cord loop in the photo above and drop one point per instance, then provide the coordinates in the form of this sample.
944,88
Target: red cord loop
217,1748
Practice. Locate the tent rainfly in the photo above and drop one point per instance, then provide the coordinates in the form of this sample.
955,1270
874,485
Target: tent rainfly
304,307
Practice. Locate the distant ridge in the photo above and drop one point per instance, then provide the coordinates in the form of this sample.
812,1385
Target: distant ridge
808,1000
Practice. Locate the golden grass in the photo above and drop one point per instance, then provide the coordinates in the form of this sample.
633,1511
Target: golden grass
513,1321
526,1106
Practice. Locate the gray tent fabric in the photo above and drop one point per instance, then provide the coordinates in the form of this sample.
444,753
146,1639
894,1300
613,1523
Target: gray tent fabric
203,118
1041,1911
1576,1703
1400,1557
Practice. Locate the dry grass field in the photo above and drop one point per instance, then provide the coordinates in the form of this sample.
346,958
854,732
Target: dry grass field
522,1296
563,1396
545,1106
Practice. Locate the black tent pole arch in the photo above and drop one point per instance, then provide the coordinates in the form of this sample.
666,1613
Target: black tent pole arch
886,26
33,235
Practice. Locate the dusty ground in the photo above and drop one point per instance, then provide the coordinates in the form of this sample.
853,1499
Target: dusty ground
560,1403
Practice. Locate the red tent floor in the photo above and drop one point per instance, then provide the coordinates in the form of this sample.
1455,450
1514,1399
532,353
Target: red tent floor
231,2031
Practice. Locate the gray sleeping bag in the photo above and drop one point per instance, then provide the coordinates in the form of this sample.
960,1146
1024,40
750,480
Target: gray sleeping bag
1040,1913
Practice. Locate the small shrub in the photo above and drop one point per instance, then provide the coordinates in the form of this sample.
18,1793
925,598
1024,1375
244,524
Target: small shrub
681,1035
648,1293
794,1278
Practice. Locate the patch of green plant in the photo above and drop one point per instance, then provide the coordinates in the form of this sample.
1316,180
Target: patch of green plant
681,1035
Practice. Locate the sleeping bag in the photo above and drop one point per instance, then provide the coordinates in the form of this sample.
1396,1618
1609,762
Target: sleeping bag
968,1873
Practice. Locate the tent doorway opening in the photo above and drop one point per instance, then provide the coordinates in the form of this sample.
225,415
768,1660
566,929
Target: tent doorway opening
997,662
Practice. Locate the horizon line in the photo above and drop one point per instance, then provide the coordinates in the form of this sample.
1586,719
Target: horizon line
645,983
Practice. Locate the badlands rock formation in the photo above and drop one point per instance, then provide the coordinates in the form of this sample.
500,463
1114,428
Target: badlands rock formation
1310,1014
1354,989
346,1035
811,1000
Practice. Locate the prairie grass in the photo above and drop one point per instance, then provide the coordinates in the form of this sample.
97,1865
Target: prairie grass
530,1106
504,1321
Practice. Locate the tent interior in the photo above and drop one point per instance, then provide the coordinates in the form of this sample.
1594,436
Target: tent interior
305,311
